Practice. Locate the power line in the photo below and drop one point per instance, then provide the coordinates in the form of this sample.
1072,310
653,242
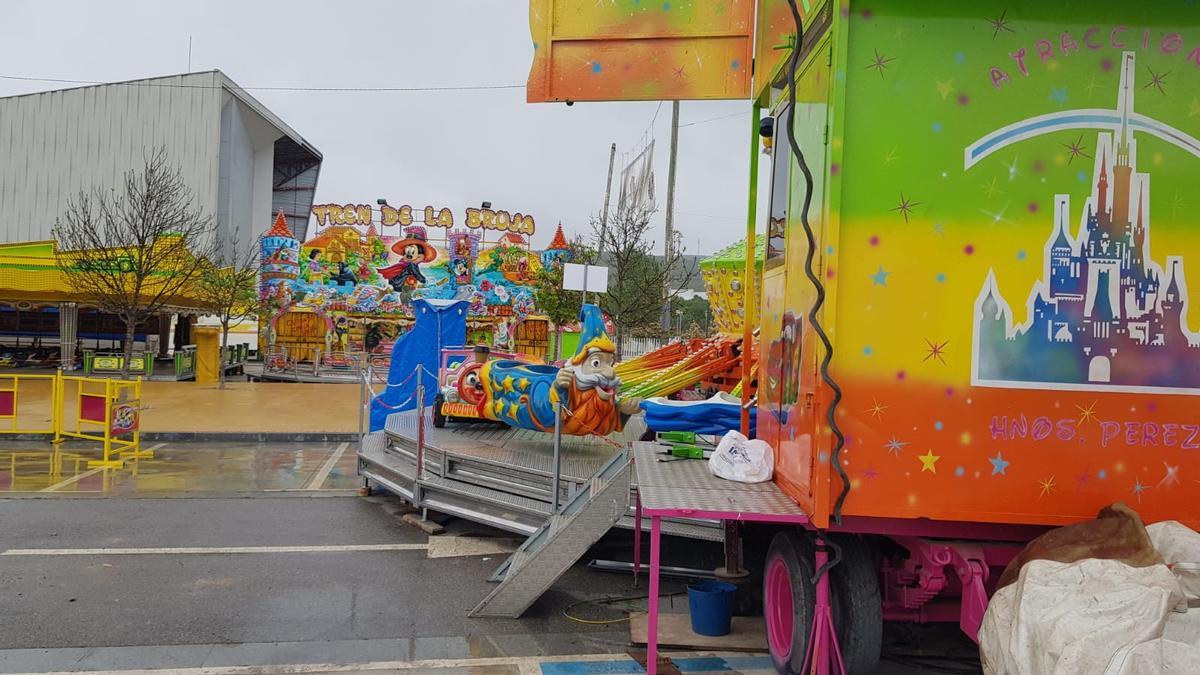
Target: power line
709,215
714,119
142,83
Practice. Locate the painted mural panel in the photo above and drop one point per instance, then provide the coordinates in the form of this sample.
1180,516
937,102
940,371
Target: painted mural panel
1015,330
358,280
635,50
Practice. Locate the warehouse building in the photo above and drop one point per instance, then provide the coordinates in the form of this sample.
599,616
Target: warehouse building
242,163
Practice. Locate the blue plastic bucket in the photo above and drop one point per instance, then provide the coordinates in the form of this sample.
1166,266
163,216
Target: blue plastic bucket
711,606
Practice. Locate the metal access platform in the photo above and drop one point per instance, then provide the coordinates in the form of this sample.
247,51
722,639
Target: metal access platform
499,476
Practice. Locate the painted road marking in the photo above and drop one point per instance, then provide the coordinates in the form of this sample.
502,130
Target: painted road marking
90,472
72,480
196,550
322,474
526,665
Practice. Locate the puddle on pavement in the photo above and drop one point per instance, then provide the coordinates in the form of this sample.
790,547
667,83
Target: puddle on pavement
177,468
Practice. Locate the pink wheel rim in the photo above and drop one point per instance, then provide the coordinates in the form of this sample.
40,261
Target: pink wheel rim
779,609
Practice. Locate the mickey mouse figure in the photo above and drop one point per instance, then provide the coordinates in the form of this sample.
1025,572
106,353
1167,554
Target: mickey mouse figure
413,250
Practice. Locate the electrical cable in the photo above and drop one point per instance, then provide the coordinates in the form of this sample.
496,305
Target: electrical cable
608,601
813,319
145,83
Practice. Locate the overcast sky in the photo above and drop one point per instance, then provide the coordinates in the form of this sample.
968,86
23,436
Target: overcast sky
452,149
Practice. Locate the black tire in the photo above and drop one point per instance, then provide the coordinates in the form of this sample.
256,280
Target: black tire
857,604
790,553
439,417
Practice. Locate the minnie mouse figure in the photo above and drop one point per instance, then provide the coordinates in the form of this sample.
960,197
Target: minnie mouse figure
413,250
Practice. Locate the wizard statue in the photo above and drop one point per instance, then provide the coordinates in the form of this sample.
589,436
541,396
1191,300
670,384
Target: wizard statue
523,395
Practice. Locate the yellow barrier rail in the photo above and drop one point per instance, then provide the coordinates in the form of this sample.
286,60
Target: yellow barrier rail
105,410
10,402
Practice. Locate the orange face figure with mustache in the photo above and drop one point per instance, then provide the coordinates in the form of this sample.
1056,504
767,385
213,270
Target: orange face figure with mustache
591,384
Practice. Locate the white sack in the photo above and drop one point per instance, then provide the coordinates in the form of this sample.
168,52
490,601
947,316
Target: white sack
743,460
1092,616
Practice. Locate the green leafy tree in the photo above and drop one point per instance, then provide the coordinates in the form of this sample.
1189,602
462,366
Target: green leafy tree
561,306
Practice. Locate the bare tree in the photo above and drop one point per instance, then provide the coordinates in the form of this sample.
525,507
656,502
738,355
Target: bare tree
228,289
639,281
136,248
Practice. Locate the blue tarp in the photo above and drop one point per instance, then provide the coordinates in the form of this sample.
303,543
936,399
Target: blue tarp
439,324
714,416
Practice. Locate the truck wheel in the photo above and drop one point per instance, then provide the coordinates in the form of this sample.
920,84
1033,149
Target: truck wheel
788,599
439,417
857,604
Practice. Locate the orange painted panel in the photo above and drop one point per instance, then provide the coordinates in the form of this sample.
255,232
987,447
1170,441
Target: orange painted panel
776,31
638,50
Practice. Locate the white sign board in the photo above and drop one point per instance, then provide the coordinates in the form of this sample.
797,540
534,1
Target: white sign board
596,275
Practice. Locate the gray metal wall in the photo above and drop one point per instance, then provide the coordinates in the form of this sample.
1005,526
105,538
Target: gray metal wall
54,144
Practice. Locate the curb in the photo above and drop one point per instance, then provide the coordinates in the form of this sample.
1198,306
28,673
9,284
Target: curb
222,437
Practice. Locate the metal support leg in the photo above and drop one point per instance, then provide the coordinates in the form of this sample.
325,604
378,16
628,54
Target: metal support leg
557,456
637,540
419,474
652,613
733,570
824,653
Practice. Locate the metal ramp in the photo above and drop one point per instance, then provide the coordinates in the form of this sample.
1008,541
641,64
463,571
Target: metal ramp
495,475
560,542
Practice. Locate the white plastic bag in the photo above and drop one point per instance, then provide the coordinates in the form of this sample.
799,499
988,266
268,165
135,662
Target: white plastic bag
741,459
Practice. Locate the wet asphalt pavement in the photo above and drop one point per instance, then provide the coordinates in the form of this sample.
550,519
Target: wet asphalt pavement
66,601
66,607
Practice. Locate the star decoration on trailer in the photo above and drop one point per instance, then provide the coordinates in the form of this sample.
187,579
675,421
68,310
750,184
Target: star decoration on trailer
1092,86
1087,414
880,63
876,411
990,189
935,350
1076,150
905,207
929,461
999,24
1138,488
895,445
1047,485
1171,475
1157,80
999,464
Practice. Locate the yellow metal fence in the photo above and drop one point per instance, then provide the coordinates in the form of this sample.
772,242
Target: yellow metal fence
104,410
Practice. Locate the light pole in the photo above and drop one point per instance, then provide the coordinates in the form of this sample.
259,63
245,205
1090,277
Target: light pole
381,202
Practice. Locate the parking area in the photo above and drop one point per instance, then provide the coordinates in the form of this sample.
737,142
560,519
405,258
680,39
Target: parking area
178,468
237,558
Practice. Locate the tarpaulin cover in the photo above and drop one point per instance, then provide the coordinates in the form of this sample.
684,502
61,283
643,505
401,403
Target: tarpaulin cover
439,324
715,415
1099,616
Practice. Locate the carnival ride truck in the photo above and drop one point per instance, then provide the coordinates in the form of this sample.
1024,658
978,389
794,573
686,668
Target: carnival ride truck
975,318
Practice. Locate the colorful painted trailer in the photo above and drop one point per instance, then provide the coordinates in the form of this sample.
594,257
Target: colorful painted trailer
1004,293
